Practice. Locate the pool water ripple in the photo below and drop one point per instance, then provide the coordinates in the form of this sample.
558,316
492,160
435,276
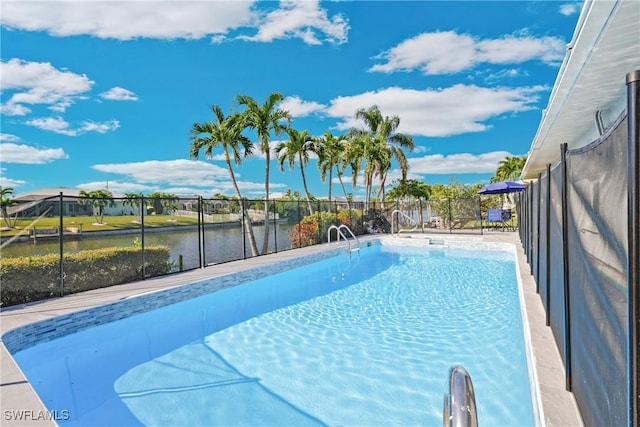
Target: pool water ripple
366,341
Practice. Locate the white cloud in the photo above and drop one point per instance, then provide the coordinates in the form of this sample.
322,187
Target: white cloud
256,189
438,112
61,126
506,74
53,124
104,127
13,109
303,19
521,48
119,94
457,163
568,9
300,108
446,52
9,137
178,176
20,153
125,20
180,172
39,83
8,182
116,187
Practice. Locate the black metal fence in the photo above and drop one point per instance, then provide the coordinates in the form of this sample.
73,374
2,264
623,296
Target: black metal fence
64,244
579,229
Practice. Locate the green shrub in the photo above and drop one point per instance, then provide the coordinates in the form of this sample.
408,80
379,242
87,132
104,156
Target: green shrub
353,219
26,279
312,229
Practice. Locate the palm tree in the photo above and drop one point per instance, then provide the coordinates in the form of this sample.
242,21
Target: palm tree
5,202
227,133
509,169
170,203
409,189
299,146
377,146
332,153
358,152
98,199
264,119
135,201
393,145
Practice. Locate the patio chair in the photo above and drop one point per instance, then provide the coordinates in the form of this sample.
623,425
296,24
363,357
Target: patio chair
496,216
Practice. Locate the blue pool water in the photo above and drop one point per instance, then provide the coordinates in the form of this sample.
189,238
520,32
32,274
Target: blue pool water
352,342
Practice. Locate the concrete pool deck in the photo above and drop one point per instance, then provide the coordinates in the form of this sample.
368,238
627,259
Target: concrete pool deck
18,400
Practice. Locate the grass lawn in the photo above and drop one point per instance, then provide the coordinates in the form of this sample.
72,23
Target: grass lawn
88,223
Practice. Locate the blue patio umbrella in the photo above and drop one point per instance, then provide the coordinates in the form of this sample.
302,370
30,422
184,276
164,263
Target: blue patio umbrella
502,188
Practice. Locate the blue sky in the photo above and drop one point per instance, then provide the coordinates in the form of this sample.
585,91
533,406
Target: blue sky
107,91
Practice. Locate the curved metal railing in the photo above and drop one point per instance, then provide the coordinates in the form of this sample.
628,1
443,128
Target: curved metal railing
459,400
415,223
341,234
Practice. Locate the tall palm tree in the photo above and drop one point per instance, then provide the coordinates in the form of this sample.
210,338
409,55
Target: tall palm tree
227,133
299,147
332,154
356,149
393,145
377,146
264,119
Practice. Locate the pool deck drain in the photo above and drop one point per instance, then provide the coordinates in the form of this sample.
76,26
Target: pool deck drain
21,406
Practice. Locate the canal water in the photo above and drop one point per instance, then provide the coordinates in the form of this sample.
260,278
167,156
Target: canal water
221,244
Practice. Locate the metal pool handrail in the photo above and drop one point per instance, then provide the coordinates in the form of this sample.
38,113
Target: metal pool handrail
415,223
459,400
340,233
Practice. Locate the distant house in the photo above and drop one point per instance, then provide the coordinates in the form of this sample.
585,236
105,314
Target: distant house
47,201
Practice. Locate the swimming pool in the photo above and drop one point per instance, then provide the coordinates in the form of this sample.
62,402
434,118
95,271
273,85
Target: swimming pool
365,340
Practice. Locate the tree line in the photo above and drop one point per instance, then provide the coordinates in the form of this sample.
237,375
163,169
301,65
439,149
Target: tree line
369,151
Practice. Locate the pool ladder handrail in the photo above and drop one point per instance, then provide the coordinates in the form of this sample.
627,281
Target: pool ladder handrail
341,234
459,400
397,211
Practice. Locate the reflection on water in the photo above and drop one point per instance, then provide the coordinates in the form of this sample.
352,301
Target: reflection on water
220,244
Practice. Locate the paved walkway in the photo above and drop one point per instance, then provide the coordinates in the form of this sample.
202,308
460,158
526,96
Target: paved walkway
18,400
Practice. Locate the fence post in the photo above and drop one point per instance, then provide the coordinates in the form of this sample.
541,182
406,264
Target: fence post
299,227
529,240
521,217
450,216
143,208
480,212
275,228
319,222
633,263
527,219
200,233
565,258
538,233
244,230
60,245
547,239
